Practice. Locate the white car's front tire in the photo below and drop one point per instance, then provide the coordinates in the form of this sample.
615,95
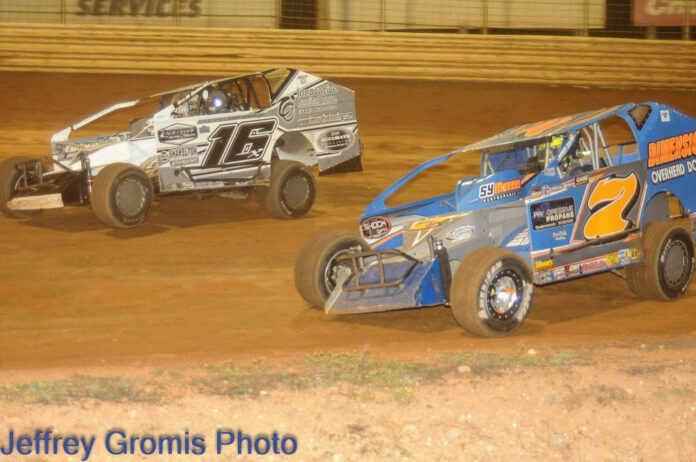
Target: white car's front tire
122,195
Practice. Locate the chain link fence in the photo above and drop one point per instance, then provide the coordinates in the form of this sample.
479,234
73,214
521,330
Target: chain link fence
653,19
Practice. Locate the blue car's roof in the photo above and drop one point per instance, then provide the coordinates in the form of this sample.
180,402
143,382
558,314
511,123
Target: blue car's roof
520,133
545,129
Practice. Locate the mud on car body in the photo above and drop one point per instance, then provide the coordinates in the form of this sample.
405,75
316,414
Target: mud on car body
555,200
259,132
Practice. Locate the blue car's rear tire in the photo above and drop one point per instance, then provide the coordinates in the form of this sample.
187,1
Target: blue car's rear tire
491,292
668,263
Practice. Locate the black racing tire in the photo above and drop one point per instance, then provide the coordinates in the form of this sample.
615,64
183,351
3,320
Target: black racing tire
292,190
668,263
479,285
9,179
316,264
122,195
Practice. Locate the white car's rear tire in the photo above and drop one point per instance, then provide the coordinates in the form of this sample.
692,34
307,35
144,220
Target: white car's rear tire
292,191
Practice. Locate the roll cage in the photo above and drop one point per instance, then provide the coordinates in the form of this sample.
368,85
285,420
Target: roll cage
582,151
254,91
245,93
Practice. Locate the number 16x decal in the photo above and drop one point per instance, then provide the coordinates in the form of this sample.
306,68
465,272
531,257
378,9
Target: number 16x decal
238,143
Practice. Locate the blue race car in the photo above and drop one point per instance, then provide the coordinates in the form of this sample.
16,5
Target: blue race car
555,200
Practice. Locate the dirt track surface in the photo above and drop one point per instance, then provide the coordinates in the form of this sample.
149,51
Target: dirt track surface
214,278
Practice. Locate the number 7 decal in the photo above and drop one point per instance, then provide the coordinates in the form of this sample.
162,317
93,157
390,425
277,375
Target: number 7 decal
610,202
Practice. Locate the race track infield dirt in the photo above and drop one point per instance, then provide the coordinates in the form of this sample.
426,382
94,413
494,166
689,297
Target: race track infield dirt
208,281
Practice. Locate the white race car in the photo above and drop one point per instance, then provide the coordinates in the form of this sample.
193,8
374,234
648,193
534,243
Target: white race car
258,133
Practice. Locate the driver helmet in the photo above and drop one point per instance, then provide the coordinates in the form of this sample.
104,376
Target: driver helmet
218,101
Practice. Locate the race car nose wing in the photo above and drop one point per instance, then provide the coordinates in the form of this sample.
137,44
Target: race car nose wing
406,286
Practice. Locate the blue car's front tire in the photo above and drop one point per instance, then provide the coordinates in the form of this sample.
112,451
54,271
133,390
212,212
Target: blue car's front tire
316,266
491,292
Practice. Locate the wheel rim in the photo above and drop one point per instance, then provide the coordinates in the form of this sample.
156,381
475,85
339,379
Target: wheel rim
130,196
17,183
675,263
504,294
296,192
21,178
332,271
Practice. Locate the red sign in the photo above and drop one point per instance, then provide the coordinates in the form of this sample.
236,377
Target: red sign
663,12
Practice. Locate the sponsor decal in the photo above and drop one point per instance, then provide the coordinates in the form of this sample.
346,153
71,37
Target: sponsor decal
561,235
430,223
214,120
320,95
543,264
182,162
671,149
691,166
316,109
545,276
326,118
610,202
375,227
628,256
426,226
286,108
461,233
500,190
317,100
335,140
177,134
667,173
178,154
581,180
624,256
573,269
593,266
613,259
559,273
146,8
554,213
